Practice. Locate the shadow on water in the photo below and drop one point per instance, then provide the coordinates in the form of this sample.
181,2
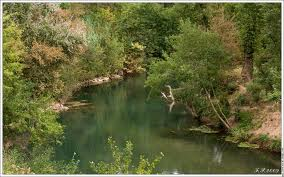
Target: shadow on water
121,110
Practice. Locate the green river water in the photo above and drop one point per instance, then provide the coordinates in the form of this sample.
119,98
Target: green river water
122,110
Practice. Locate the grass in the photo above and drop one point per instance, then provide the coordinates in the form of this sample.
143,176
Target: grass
275,145
241,131
241,100
265,142
263,138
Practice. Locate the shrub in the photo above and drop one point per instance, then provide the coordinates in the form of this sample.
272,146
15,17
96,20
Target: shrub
23,114
263,138
39,161
244,119
232,87
105,53
255,90
239,134
241,100
122,162
241,131
275,95
14,163
275,145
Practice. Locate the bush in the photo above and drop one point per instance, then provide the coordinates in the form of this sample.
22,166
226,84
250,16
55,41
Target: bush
255,90
276,145
275,95
39,161
14,163
232,87
23,114
122,162
244,119
241,100
263,138
241,131
239,134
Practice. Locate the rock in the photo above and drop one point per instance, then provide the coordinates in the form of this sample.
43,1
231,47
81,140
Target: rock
120,73
99,80
73,104
106,79
115,77
59,107
128,71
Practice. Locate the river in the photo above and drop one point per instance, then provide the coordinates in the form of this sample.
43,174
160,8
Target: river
123,110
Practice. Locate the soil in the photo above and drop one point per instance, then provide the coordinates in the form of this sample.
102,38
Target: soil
271,121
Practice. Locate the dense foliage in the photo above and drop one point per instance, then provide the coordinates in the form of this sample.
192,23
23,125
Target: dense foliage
193,69
193,50
38,162
122,162
198,68
24,115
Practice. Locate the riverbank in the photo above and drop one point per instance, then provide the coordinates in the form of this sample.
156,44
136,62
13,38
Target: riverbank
60,106
257,119
255,123
264,129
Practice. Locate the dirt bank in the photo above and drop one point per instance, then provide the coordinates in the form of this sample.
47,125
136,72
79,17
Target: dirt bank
60,106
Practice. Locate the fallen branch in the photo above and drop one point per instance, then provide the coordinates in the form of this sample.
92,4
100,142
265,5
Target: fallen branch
169,98
218,115
220,109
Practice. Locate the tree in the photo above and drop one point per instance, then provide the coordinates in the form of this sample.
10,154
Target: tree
197,13
104,54
268,53
146,25
53,38
260,34
225,26
24,116
248,21
194,71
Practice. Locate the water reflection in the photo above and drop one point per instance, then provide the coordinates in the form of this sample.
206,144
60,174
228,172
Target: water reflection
217,155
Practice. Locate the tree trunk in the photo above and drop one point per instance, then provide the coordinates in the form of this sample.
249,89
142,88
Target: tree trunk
222,119
247,71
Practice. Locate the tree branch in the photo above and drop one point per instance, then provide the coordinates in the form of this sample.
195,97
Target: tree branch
220,109
212,105
169,98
